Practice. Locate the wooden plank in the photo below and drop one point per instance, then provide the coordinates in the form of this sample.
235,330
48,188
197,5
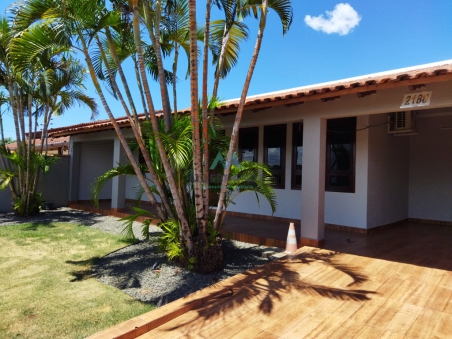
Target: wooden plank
443,328
424,325
385,314
391,335
307,324
348,329
367,332
290,319
248,332
326,328
421,294
404,319
266,335
439,299
367,310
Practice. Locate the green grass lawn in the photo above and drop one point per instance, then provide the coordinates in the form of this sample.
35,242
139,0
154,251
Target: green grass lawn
45,287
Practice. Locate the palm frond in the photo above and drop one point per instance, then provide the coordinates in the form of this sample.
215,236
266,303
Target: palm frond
129,220
237,34
99,182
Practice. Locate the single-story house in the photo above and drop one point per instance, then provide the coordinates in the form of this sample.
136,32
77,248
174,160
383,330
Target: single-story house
353,154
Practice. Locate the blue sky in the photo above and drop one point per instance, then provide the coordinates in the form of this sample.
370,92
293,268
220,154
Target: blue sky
354,38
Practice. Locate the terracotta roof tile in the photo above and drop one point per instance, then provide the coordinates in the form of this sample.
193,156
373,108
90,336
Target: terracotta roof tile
52,143
298,95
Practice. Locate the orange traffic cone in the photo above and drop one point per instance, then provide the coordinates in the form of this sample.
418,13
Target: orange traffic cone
291,244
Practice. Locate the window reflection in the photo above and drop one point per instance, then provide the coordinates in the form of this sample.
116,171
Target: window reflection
340,171
248,154
297,154
274,148
274,157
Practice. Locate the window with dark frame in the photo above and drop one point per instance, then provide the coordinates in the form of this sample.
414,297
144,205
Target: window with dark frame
297,155
248,144
340,155
274,152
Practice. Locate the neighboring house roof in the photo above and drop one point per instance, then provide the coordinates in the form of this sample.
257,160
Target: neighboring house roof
363,85
53,143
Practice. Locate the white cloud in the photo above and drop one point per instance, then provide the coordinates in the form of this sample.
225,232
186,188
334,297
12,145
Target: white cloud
341,20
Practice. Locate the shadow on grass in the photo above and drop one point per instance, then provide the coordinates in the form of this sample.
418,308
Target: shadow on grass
282,280
84,273
35,225
90,261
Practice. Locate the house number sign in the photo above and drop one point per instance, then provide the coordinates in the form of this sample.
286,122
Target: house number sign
416,99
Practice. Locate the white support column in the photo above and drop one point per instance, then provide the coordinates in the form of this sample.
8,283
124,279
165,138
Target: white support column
313,182
118,192
74,171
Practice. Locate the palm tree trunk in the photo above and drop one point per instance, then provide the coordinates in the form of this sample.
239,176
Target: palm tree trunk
224,43
21,117
121,137
14,105
155,39
197,162
29,143
205,122
138,136
140,87
115,57
235,130
167,167
14,108
176,59
44,128
2,133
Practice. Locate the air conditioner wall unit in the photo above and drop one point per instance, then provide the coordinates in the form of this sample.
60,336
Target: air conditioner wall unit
402,122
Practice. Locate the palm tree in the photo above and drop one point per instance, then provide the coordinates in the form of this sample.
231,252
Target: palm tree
226,37
59,88
74,24
89,27
283,9
48,85
178,143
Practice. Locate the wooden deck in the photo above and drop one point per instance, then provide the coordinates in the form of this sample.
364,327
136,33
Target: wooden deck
393,284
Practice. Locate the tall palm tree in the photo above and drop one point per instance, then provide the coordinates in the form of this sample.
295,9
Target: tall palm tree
152,12
72,24
156,133
59,88
283,9
47,85
226,37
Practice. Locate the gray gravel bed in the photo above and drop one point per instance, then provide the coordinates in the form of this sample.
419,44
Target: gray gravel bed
66,214
130,269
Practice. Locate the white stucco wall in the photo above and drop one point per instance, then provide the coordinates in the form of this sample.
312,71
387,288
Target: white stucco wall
430,175
388,174
133,187
96,158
